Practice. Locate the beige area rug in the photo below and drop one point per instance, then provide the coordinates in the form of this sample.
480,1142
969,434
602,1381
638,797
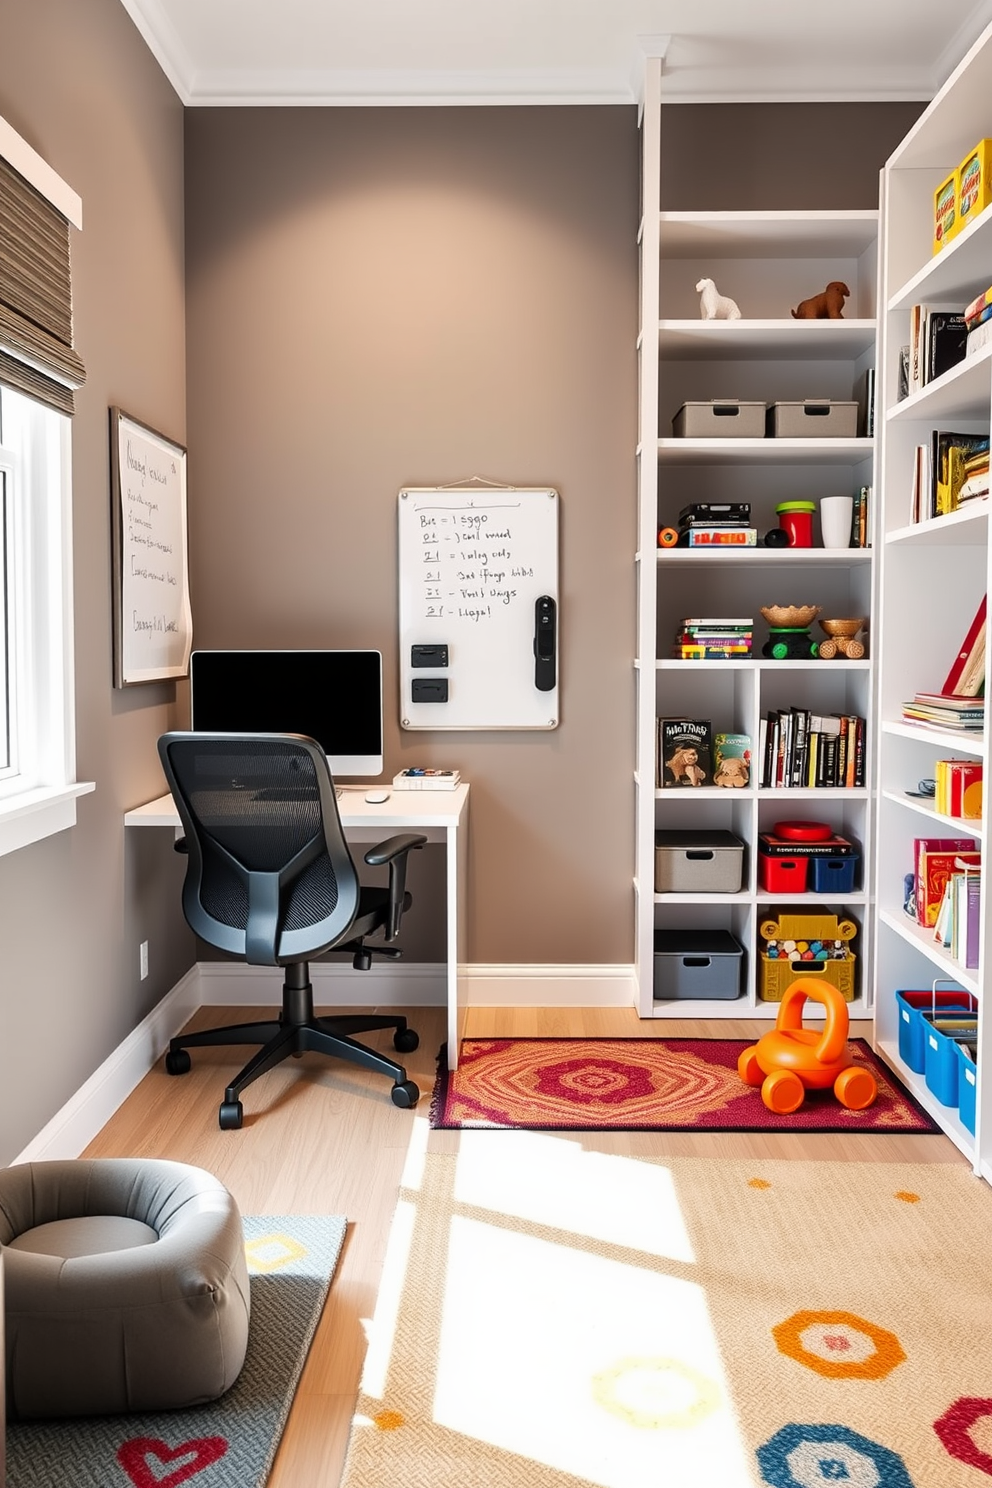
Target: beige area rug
552,1317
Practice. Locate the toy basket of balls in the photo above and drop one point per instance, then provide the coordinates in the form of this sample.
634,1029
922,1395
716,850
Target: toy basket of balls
806,945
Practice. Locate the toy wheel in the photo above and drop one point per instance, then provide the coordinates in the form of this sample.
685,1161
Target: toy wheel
405,1040
177,1062
232,1114
828,650
855,651
855,1088
814,649
748,1067
779,651
405,1094
782,1092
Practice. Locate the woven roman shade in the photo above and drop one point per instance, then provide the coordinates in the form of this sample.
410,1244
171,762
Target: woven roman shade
36,351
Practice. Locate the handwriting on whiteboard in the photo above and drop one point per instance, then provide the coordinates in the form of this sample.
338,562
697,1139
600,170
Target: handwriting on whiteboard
469,563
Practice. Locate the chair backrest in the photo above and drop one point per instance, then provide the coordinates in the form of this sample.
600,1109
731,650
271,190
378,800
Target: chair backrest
269,876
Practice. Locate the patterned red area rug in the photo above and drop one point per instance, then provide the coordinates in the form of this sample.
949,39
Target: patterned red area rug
643,1084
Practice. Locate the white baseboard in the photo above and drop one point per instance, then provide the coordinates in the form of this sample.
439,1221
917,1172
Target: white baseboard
232,984
88,1111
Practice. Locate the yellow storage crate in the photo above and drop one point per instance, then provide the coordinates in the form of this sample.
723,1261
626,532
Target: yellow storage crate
945,211
974,187
802,933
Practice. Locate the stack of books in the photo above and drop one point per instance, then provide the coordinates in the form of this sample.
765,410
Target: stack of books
709,524
713,638
945,711
958,920
948,472
978,323
935,861
937,342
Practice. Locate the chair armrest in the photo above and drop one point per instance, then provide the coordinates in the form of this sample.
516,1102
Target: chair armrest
385,852
395,851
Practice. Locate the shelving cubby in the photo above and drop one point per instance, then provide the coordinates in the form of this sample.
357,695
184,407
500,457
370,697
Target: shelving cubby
767,262
934,572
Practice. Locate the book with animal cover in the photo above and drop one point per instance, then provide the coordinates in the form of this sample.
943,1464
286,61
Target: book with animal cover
731,760
933,864
685,752
966,671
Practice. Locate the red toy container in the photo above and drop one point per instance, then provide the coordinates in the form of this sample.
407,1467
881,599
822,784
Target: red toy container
783,875
796,518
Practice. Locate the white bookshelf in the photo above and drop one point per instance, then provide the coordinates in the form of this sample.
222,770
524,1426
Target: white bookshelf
933,573
767,261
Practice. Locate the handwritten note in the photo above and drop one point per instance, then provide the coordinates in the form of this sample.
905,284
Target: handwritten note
154,626
472,565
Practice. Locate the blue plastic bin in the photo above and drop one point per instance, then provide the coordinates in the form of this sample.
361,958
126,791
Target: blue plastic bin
911,1006
941,1062
967,1088
833,875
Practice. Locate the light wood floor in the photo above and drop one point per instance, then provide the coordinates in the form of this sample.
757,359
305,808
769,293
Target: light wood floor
320,1136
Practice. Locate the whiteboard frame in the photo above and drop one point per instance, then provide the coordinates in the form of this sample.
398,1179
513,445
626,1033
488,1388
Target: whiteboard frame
478,488
127,672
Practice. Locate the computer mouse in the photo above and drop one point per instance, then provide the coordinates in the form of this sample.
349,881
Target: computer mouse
376,797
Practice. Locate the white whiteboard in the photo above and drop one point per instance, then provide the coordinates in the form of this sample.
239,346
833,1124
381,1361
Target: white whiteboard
473,563
153,627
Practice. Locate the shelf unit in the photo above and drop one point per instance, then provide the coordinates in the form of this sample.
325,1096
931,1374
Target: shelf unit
934,572
767,261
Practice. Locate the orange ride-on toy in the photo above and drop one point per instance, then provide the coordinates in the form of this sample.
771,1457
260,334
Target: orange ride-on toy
791,1059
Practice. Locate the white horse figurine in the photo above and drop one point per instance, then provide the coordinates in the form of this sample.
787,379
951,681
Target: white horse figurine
713,305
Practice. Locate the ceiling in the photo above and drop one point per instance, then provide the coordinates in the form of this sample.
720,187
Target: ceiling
362,52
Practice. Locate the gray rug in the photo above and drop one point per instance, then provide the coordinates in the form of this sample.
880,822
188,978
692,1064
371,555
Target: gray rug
232,1442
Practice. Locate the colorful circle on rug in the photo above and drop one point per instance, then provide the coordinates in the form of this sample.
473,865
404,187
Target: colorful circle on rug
272,1252
656,1394
955,1427
825,1456
840,1345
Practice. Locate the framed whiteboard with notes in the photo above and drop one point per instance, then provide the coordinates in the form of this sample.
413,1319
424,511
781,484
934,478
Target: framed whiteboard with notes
153,627
478,607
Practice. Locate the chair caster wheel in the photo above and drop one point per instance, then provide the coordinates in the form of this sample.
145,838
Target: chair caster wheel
405,1041
405,1094
232,1114
177,1062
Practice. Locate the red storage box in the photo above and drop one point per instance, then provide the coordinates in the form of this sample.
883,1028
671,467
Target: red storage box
782,874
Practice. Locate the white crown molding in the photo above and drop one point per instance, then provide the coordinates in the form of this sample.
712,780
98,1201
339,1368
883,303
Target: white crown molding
403,89
162,40
961,42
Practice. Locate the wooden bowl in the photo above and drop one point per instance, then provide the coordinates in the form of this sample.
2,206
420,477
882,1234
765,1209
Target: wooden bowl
845,628
783,617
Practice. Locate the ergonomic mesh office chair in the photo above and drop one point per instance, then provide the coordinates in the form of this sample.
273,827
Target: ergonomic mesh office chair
270,878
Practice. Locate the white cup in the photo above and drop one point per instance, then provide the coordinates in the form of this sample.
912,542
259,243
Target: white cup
836,513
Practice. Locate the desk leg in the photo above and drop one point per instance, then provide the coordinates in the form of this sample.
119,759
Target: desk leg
456,854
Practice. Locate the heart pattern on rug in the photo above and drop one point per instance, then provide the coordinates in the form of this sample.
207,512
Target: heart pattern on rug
190,1458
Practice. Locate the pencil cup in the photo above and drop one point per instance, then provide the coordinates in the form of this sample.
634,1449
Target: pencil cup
835,520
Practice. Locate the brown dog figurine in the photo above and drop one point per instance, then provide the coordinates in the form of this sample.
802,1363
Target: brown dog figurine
826,306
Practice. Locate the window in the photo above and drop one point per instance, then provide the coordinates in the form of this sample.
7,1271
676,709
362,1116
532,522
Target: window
39,370
37,743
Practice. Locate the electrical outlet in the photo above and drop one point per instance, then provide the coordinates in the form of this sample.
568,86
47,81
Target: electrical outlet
143,959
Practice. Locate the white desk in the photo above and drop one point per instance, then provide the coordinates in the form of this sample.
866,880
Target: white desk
442,816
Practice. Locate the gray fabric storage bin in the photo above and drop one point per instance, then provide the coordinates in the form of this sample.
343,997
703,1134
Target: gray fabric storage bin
690,964
813,418
698,862
721,418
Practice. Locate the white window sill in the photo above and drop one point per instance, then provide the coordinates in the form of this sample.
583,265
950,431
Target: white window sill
35,814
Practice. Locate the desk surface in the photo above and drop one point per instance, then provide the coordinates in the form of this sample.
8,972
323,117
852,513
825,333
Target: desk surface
403,809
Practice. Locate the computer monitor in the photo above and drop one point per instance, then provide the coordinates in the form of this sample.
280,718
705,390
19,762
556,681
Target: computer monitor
334,697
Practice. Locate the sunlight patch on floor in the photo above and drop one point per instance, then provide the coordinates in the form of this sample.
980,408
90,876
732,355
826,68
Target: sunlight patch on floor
381,1331
589,1365
553,1181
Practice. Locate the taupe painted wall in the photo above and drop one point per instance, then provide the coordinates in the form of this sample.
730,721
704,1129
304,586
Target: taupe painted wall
77,82
372,298
381,297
